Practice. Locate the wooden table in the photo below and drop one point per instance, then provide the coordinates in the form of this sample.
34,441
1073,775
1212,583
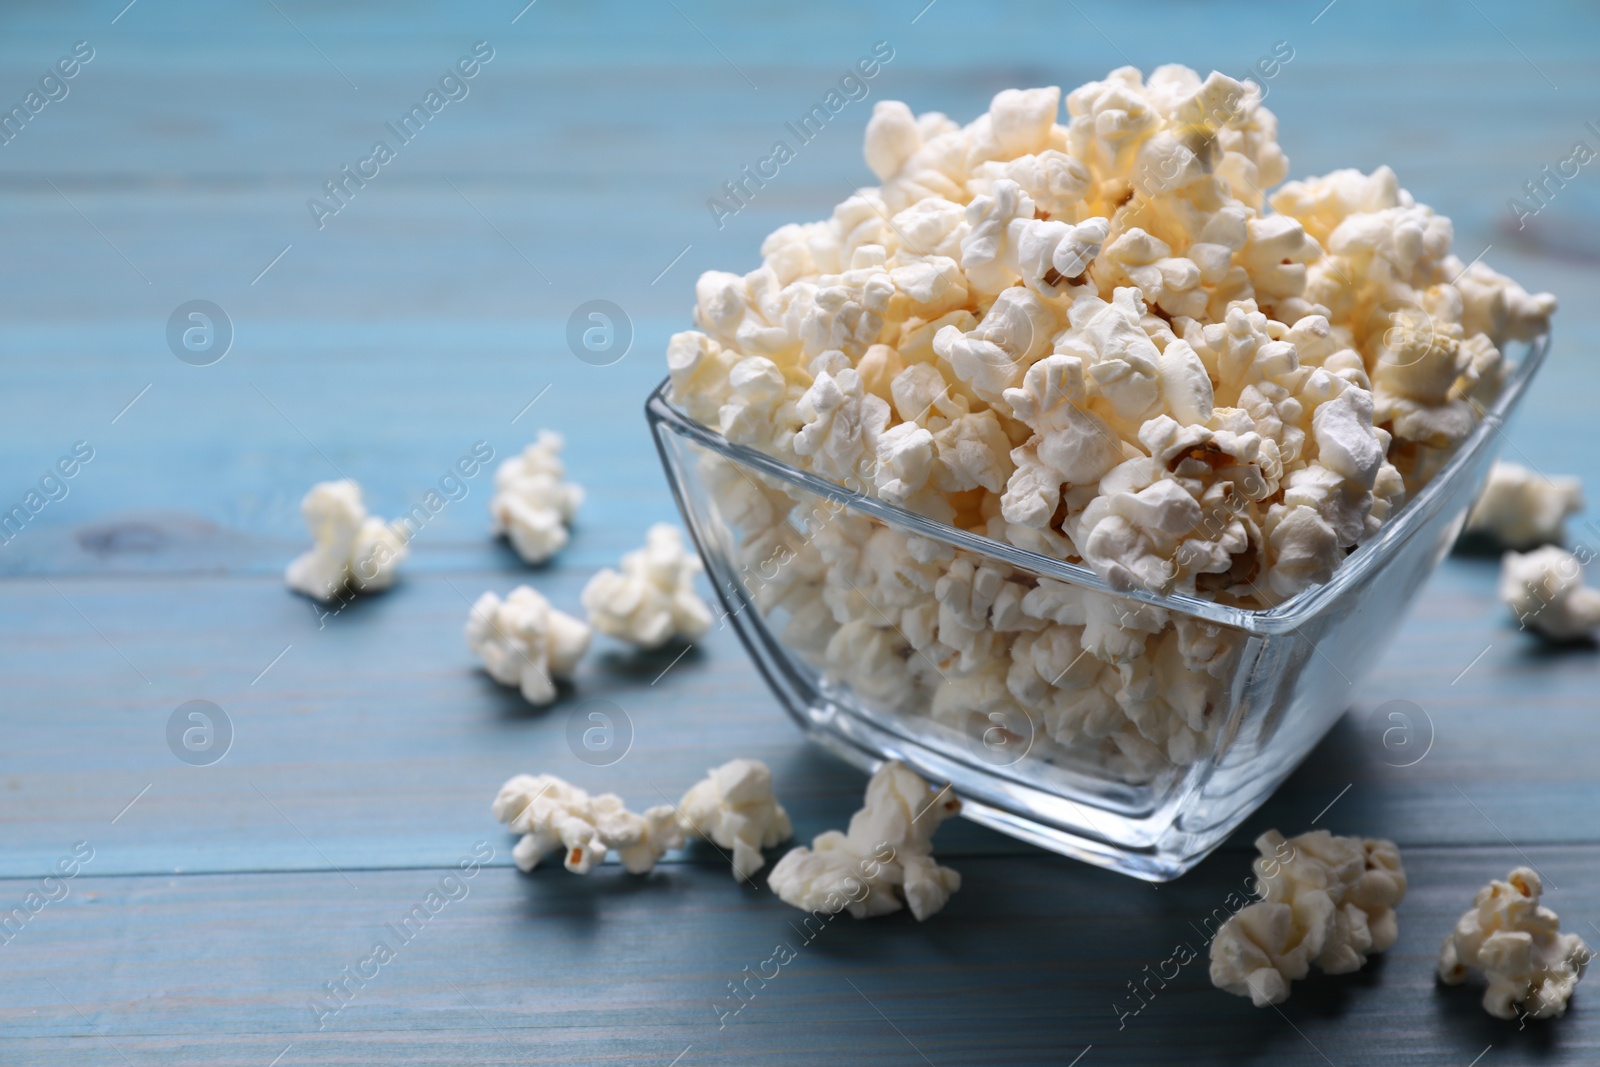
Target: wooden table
428,314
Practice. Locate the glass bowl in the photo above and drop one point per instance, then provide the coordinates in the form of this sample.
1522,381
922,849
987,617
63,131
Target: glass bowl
1141,757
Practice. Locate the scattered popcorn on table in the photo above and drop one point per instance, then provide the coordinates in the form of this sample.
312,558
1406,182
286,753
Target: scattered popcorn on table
652,599
1521,508
1518,945
733,807
1544,589
353,550
884,859
531,505
552,814
1090,337
1325,900
525,642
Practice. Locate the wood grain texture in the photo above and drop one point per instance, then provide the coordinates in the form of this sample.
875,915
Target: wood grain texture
551,968
423,318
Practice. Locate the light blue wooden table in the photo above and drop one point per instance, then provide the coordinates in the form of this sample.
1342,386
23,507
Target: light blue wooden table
426,315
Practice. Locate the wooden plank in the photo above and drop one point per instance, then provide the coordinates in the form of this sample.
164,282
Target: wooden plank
381,742
551,968
268,439
382,711
381,415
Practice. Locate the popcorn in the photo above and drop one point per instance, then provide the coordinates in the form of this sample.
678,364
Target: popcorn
1521,508
1053,180
1326,900
531,504
1345,442
1094,336
1071,440
1498,307
905,458
892,136
876,659
1544,589
1019,122
1275,256
974,453
651,600
525,642
352,549
1516,942
883,860
841,421
550,814
1052,255
700,369
991,357
733,807
758,410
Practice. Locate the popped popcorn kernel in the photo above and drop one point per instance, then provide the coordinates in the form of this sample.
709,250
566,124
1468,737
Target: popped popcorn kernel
883,862
733,808
1531,967
352,550
1544,589
651,600
551,814
524,642
1522,508
531,505
1325,900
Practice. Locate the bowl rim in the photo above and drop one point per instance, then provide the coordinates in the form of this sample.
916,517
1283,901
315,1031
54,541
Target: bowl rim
1285,617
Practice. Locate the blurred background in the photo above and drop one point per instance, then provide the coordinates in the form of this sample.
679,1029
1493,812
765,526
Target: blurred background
579,167
429,307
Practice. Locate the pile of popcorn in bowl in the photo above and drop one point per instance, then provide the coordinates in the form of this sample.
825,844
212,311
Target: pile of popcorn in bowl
1095,338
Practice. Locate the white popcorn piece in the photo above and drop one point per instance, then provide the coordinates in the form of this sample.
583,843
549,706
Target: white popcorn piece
1521,508
551,814
1518,945
1275,256
1544,589
1325,900
756,393
531,505
1498,307
883,862
905,458
1077,444
352,550
733,808
1346,445
992,356
651,600
525,642
842,422
699,368
1018,123
891,139
1051,255
1053,180
996,221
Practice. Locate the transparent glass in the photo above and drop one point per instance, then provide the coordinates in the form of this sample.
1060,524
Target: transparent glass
1129,730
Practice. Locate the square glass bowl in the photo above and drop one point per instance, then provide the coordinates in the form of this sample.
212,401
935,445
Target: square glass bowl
1130,730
